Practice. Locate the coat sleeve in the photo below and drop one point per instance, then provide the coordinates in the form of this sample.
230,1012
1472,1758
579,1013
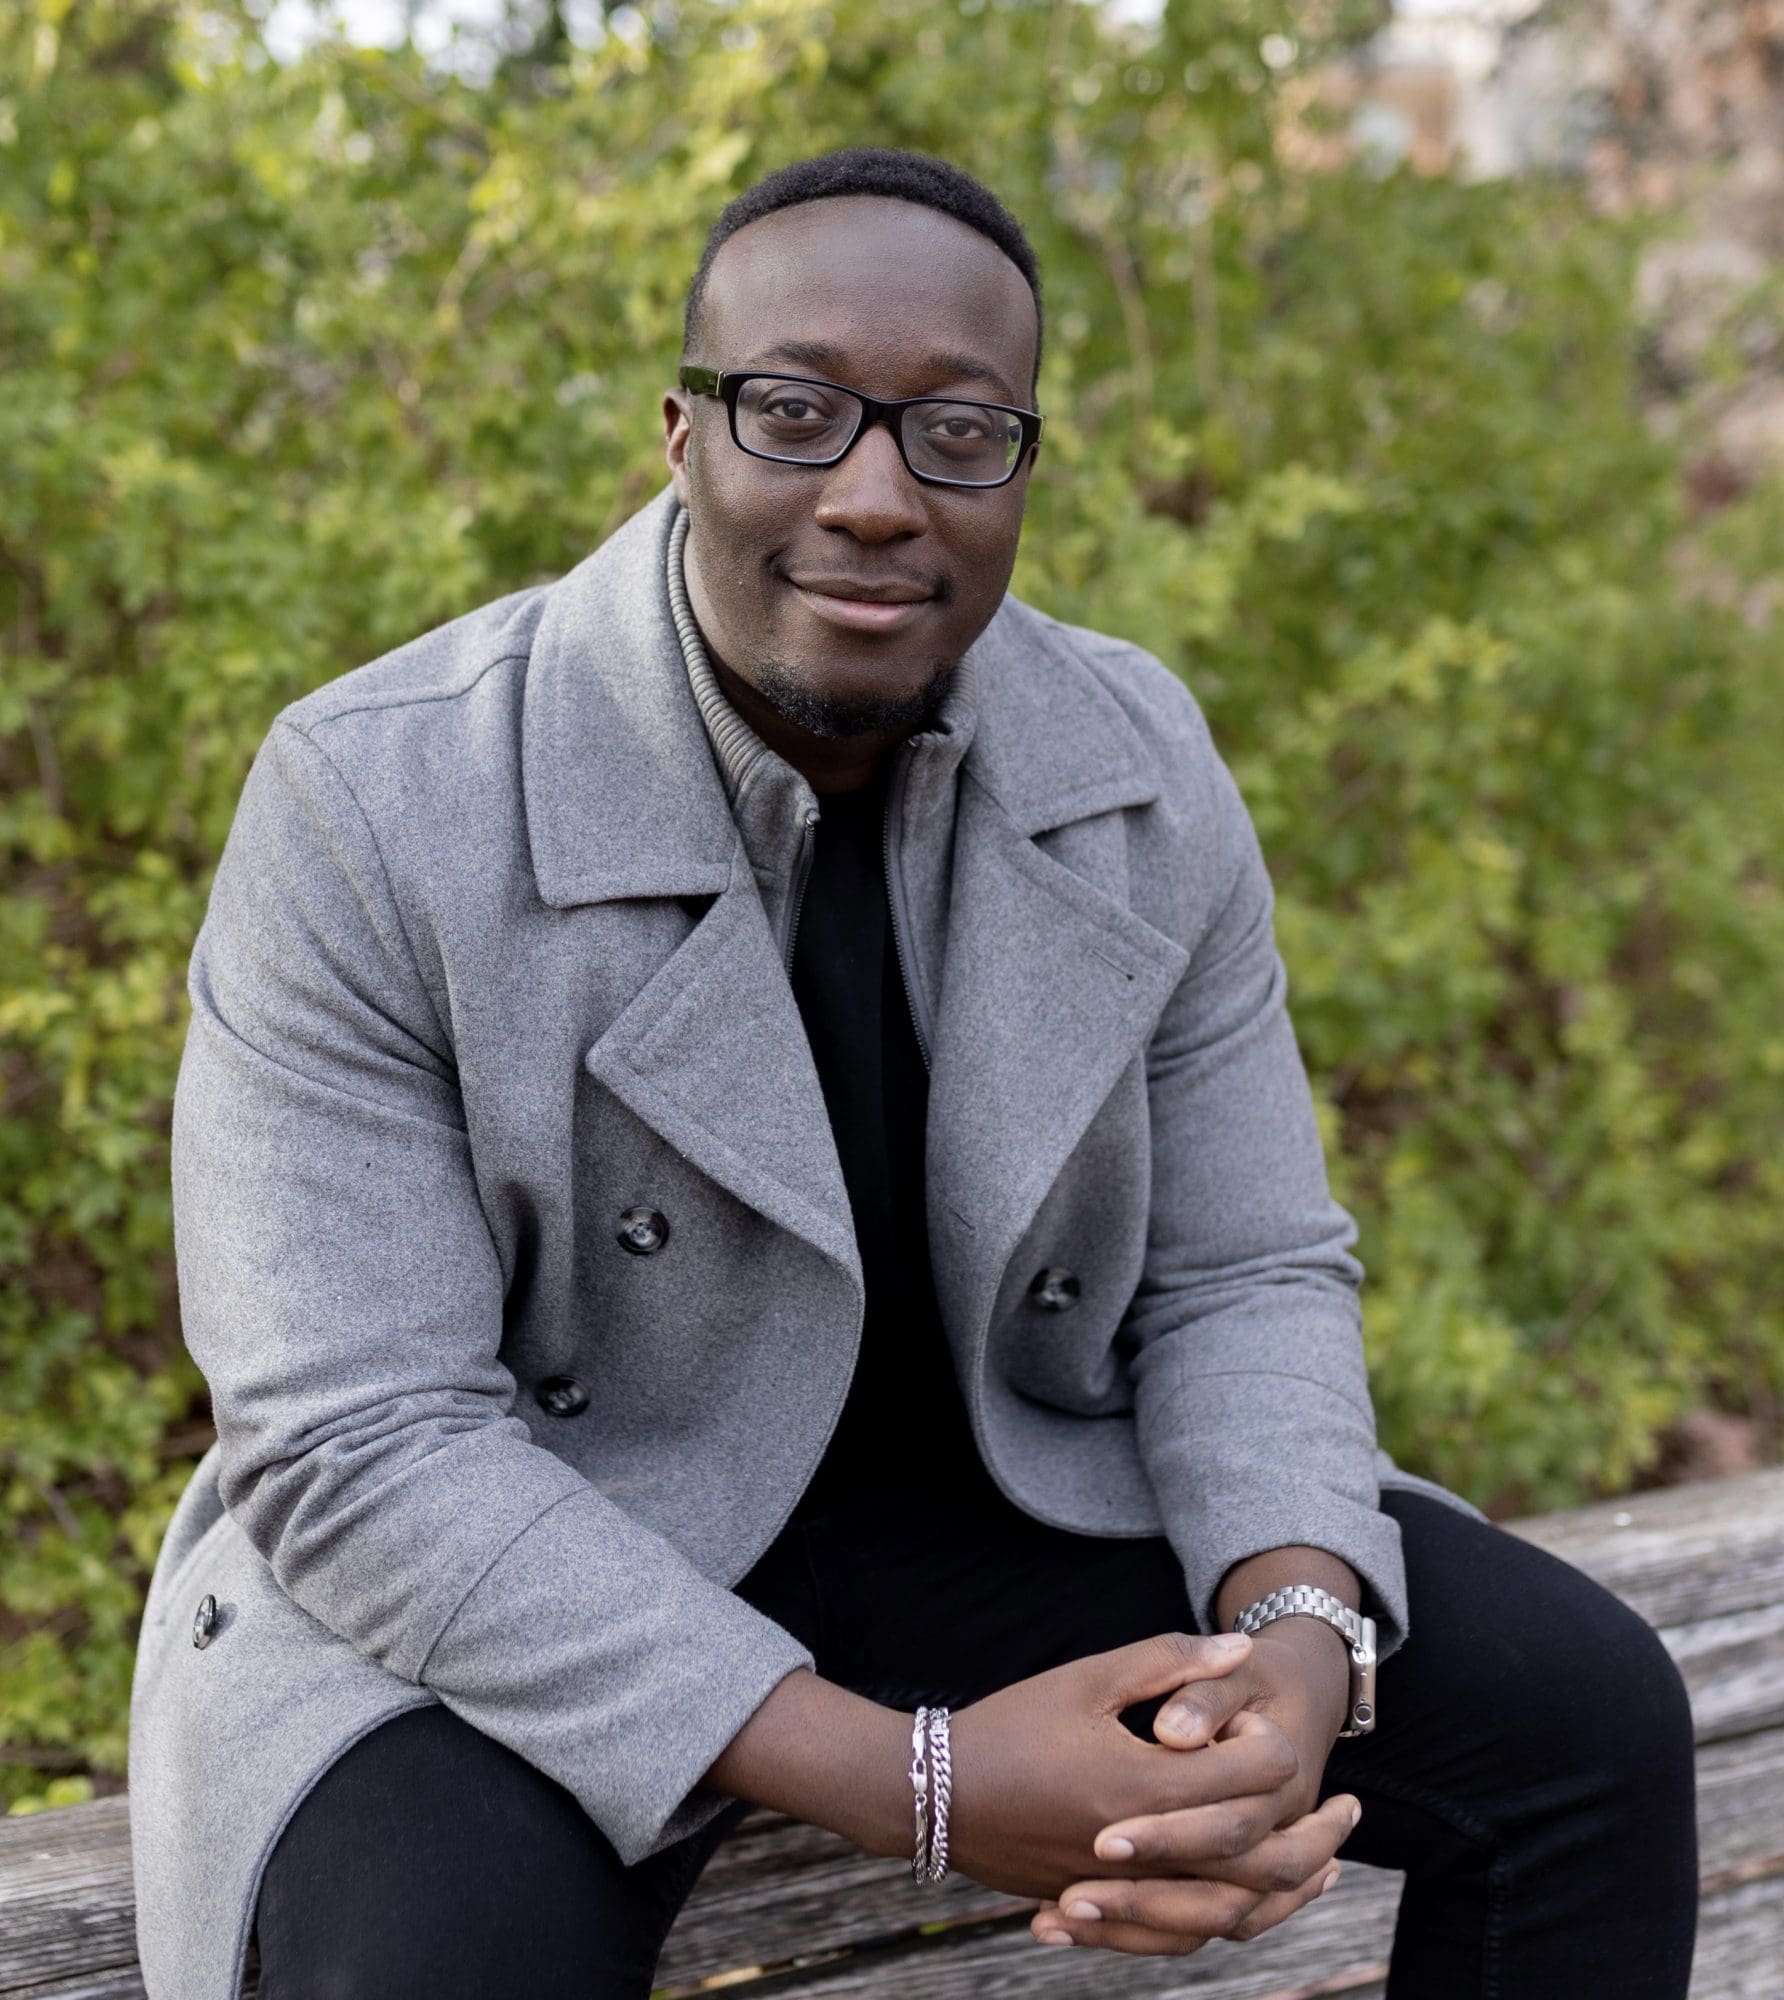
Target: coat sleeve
1251,1394
342,1293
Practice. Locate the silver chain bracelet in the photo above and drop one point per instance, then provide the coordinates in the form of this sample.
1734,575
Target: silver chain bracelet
932,1783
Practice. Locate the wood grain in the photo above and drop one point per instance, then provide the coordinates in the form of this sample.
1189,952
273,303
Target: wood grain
1680,1553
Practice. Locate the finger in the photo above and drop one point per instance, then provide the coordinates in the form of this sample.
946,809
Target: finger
1048,1927
1164,1917
1236,1841
1258,1763
1162,1664
1195,1714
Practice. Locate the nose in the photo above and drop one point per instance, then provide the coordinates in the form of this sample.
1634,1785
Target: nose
870,494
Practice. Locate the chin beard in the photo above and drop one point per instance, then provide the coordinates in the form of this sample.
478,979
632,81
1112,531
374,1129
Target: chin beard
839,717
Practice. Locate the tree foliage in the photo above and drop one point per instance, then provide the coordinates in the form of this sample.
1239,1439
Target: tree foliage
299,359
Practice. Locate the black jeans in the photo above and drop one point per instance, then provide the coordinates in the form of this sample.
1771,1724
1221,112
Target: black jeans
1532,1772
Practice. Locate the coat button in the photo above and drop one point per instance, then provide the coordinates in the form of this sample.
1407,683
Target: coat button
1055,1291
204,1623
643,1231
562,1396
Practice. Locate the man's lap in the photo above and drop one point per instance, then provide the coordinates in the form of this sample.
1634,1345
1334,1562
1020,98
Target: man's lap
1519,1674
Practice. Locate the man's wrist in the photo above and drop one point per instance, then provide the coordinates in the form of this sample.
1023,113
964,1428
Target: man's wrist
1320,1663
1275,1569
827,1756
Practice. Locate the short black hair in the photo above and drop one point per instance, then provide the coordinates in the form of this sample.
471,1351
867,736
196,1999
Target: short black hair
881,170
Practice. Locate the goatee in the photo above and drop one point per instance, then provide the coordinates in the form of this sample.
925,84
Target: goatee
839,717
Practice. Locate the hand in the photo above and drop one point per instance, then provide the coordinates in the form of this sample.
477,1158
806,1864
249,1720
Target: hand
1255,1859
1051,1763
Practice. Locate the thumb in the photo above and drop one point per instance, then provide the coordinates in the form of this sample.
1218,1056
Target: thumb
1157,1665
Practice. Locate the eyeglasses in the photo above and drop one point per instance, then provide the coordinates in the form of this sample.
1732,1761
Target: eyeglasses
800,420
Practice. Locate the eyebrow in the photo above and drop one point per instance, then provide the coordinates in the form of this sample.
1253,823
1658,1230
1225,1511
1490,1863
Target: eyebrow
955,363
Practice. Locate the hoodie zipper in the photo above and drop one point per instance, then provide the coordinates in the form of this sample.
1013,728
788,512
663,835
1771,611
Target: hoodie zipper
895,898
808,841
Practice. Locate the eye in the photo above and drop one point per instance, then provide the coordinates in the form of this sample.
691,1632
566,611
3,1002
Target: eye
962,426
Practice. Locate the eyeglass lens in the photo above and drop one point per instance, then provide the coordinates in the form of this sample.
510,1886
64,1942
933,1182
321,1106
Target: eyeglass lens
971,443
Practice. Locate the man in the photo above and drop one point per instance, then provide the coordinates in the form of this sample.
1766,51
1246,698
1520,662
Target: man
741,1169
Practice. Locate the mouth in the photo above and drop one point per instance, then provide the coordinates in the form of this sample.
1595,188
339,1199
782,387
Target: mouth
857,605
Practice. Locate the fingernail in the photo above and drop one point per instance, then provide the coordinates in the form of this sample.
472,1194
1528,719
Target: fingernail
1327,1883
1233,1642
1116,1849
1356,1813
1088,1911
1056,1937
1185,1721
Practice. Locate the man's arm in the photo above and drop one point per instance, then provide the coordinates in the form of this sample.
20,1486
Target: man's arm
1251,1391
343,1295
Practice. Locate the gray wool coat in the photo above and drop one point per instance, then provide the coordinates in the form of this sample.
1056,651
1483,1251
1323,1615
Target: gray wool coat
496,953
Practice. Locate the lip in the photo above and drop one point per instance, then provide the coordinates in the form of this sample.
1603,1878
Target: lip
889,608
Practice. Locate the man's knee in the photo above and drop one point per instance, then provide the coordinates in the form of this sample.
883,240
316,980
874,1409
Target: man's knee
431,1863
1611,1702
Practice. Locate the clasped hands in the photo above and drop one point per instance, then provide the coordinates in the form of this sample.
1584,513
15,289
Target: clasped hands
1209,1832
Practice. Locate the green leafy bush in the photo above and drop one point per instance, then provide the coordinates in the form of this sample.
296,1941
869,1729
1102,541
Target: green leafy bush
300,359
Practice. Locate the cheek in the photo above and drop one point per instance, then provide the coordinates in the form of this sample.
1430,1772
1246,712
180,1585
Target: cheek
737,535
987,557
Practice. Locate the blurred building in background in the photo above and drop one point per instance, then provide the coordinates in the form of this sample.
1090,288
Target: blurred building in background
1672,108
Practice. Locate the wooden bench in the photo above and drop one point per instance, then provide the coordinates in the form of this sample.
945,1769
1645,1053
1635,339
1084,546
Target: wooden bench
788,1909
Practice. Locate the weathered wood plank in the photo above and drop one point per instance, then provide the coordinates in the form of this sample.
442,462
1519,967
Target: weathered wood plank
67,1906
1740,1943
1349,1929
1734,1669
1740,1806
125,1984
1737,1958
1679,1553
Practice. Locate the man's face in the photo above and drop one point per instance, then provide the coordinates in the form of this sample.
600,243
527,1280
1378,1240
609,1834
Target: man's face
895,300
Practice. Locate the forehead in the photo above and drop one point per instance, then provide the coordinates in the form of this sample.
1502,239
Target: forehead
901,295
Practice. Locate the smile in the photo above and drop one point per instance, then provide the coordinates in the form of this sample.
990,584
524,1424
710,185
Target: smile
861,614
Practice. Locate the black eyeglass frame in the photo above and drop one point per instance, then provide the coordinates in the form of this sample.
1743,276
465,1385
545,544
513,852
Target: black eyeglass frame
726,383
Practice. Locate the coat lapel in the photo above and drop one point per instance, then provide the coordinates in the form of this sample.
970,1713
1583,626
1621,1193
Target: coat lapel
1051,984
624,801
712,1054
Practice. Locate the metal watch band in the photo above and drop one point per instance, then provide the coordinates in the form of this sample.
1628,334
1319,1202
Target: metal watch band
1359,1636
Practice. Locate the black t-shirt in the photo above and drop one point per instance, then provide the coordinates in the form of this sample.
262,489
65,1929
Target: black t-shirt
904,1425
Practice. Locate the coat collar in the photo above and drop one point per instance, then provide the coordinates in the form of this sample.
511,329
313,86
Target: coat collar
622,796
625,779
1053,744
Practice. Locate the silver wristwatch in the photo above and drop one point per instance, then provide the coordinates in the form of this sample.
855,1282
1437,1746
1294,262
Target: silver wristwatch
1359,1633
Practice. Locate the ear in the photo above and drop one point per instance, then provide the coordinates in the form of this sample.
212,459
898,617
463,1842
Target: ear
678,424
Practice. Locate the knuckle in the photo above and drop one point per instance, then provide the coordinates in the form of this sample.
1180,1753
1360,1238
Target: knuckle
1281,1763
1232,1836
1174,1648
1240,1916
1286,1874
